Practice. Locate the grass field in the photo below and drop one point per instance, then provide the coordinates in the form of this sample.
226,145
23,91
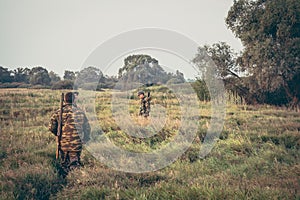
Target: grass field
256,157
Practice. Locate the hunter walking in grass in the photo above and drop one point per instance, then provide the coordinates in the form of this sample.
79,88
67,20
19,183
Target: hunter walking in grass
73,125
145,104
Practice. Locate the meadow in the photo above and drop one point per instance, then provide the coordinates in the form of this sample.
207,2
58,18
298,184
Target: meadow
257,155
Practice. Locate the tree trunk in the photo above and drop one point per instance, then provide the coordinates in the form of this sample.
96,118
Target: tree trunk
294,101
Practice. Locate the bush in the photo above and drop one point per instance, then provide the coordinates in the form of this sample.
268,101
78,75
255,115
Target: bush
65,84
40,87
201,89
24,85
10,85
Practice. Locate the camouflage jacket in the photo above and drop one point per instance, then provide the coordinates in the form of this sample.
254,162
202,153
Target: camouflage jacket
145,106
74,127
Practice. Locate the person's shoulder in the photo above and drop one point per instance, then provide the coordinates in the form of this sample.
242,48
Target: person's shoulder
78,109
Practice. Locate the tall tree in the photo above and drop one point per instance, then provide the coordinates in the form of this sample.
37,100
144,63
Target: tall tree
21,74
89,75
5,75
227,68
143,69
69,75
39,76
270,33
133,61
223,56
54,77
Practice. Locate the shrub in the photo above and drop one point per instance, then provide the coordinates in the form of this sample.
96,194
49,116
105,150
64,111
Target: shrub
40,87
65,84
10,85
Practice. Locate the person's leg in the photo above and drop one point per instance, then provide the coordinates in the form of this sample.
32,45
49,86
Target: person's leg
64,161
74,160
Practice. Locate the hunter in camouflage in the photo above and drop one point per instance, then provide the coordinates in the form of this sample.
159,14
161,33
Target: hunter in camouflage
145,104
74,127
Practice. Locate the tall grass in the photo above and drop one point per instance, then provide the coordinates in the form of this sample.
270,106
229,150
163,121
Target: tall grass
256,157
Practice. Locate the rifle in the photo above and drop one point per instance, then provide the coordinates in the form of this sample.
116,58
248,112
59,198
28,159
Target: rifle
59,127
148,103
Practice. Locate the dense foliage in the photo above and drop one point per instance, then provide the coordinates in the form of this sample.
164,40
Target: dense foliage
270,33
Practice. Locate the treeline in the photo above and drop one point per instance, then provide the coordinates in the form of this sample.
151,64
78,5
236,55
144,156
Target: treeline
140,69
39,77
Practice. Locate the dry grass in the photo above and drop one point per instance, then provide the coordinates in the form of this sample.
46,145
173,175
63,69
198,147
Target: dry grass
256,157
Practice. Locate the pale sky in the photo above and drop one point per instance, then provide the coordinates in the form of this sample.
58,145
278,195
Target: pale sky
60,35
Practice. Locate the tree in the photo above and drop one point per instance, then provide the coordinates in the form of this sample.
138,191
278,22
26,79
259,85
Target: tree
69,75
5,75
89,75
226,63
179,76
143,69
225,59
54,77
223,56
110,82
201,89
133,61
39,76
270,33
21,74
226,68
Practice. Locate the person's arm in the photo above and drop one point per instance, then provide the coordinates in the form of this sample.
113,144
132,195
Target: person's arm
53,125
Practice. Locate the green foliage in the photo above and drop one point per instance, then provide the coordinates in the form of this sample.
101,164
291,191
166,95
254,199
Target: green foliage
5,75
91,78
64,84
224,58
54,77
201,89
39,76
69,75
89,75
134,60
145,70
21,75
269,31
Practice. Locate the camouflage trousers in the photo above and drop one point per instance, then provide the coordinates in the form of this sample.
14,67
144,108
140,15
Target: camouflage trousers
70,160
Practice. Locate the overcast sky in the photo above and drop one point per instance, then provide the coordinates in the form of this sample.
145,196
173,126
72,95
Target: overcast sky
60,35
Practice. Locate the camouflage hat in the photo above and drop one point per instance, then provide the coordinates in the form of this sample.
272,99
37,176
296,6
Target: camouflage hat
141,92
